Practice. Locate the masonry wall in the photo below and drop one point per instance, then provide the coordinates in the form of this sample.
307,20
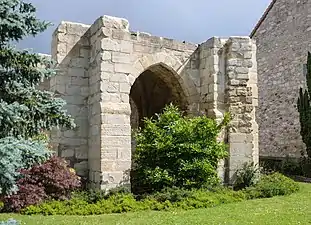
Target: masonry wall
97,68
118,57
283,40
70,50
228,73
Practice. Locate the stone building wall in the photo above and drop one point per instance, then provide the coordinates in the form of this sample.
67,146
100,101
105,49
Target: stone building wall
103,66
70,49
283,40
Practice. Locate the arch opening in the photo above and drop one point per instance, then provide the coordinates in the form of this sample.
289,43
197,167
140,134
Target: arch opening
152,90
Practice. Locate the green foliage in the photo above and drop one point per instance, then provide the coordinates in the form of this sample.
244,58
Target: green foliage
287,166
247,176
304,109
25,111
122,202
167,199
177,151
16,155
272,185
93,196
53,179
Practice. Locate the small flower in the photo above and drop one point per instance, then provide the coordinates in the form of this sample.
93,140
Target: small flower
72,170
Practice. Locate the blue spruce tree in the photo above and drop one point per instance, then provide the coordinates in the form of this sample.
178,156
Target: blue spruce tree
25,111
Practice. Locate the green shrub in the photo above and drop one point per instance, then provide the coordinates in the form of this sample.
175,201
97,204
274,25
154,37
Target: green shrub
304,109
1,205
53,179
177,151
288,166
25,110
272,185
16,155
168,199
93,196
125,202
292,166
247,176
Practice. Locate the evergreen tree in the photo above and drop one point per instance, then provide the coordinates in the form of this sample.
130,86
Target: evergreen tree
25,111
305,109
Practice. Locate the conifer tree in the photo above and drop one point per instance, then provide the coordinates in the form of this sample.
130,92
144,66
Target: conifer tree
25,111
305,109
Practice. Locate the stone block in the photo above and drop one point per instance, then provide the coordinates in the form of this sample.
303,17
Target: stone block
116,108
115,165
105,56
120,57
119,77
126,46
125,88
116,129
241,70
115,119
123,68
113,87
81,168
109,154
112,177
115,22
240,138
116,141
67,153
81,153
106,67
108,44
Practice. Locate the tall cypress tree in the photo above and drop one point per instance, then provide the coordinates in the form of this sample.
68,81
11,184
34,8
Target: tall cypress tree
305,109
25,111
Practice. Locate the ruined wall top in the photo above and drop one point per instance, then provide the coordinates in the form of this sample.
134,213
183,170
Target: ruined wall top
119,28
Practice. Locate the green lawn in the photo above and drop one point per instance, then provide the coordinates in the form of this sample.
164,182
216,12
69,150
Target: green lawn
294,209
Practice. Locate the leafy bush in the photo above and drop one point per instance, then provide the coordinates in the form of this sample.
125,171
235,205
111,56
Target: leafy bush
304,109
25,110
1,205
15,155
9,222
272,185
93,196
50,180
122,202
168,199
288,166
247,176
177,151
292,167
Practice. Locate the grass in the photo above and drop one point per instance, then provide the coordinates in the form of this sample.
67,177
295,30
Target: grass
293,209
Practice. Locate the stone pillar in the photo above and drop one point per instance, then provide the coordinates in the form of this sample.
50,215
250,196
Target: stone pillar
70,50
242,99
212,77
228,76
110,129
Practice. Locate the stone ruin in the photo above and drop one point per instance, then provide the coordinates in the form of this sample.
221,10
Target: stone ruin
111,78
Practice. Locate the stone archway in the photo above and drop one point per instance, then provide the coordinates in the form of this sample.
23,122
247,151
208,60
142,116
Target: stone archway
152,90
156,87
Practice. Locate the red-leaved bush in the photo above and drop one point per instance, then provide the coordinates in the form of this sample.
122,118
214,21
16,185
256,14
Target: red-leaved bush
53,179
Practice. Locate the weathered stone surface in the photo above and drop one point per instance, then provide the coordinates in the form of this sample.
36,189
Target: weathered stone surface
112,78
282,42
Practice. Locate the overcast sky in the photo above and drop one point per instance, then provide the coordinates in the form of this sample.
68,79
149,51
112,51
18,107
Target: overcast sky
192,20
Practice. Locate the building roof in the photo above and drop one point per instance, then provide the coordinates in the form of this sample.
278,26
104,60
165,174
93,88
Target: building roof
263,18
